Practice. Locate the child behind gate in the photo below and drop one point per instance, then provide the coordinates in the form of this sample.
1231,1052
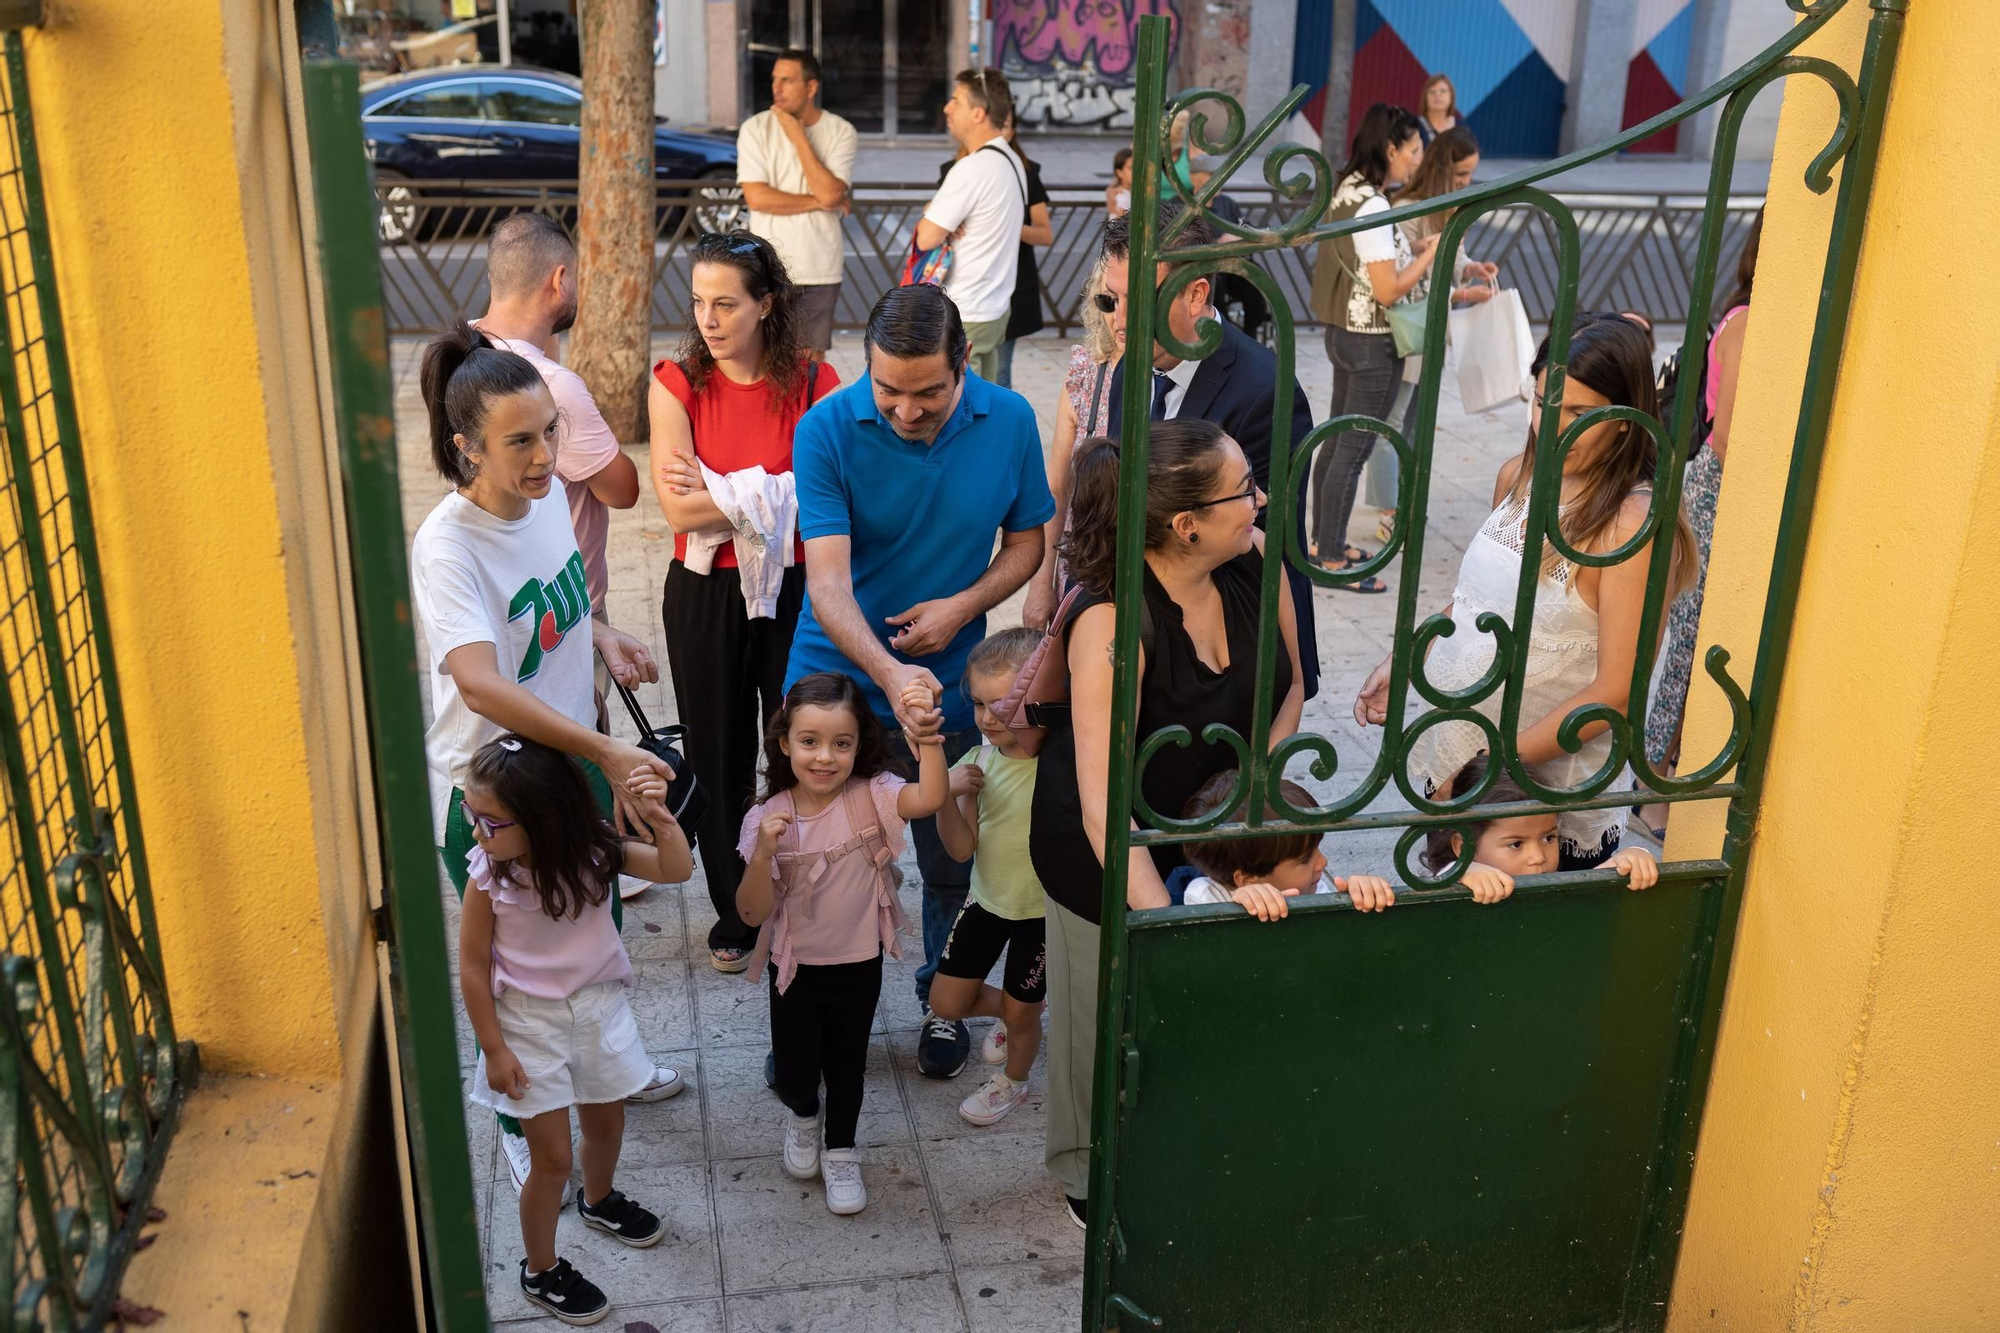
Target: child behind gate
819,881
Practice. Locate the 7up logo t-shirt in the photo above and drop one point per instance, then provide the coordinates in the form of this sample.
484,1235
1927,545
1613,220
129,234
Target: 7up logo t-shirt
517,585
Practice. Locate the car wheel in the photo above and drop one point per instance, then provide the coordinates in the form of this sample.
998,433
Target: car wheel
397,221
721,201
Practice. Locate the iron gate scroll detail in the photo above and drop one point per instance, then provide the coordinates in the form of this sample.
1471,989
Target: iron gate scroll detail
1497,1134
92,1074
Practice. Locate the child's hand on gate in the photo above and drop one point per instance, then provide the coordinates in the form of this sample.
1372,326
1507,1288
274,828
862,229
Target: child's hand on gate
1263,901
1641,871
768,832
1487,884
967,781
1371,893
504,1074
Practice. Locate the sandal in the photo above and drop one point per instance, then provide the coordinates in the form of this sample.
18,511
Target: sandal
729,960
1368,586
1385,527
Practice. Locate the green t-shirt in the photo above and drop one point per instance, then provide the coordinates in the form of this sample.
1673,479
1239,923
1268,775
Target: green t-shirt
1003,878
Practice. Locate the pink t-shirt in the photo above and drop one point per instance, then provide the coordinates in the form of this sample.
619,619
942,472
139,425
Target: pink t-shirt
831,910
587,448
538,955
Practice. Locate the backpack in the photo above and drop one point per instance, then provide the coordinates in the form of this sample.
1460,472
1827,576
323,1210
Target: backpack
934,266
1668,387
1039,698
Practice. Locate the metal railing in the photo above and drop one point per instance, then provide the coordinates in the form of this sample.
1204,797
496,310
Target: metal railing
91,1073
1638,250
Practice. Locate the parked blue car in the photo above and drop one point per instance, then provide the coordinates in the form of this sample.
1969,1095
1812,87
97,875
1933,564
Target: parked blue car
510,123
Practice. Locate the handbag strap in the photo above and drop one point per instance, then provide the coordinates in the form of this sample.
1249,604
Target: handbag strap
1096,398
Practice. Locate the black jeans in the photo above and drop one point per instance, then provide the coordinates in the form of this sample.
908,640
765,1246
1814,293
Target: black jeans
729,675
945,880
1365,371
819,1033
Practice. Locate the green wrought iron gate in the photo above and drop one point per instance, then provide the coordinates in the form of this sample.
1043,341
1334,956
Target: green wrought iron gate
91,1073
1453,1117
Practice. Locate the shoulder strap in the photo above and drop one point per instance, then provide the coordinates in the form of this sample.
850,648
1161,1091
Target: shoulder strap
1096,397
1007,157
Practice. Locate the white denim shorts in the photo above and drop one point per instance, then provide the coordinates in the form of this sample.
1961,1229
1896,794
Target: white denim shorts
582,1050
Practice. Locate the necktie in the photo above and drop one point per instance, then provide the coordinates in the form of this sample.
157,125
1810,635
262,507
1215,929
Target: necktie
1162,386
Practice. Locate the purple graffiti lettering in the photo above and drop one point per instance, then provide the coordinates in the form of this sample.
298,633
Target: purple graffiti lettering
1098,35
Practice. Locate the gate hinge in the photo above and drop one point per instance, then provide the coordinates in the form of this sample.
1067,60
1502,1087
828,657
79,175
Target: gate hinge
20,14
1128,1091
385,927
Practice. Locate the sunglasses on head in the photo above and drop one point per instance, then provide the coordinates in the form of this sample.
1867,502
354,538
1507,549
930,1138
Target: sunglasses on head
720,240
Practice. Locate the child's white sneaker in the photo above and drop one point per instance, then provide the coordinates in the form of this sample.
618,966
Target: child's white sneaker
992,1102
802,1147
519,1159
841,1169
994,1049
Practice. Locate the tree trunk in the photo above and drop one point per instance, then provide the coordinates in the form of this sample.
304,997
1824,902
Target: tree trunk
612,340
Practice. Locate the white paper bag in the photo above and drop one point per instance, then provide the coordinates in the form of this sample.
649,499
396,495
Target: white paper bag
1495,347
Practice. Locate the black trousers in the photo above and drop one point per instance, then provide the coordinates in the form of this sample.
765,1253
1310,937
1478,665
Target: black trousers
819,1033
729,676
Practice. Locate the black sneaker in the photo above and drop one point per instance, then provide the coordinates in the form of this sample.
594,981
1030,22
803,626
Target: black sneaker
942,1047
622,1218
565,1293
1078,1210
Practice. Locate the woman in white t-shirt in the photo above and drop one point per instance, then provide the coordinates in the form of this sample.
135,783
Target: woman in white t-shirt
500,590
1355,278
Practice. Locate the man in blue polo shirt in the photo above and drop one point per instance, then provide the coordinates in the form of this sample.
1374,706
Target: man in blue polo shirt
904,479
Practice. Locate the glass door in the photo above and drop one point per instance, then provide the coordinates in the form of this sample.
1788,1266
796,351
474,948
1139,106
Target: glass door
882,62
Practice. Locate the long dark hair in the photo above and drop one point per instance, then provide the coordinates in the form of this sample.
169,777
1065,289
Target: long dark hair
1383,128
462,374
1438,854
1612,355
824,689
1180,469
1746,265
763,275
577,852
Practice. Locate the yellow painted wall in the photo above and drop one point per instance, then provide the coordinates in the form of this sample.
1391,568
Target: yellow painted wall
157,260
1848,1175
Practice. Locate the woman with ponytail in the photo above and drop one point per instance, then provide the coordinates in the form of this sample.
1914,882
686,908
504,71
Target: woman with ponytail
1202,586
499,590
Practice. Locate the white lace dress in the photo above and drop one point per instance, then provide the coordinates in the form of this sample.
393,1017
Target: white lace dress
1562,659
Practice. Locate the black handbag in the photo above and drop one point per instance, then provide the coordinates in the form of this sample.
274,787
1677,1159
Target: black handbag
686,800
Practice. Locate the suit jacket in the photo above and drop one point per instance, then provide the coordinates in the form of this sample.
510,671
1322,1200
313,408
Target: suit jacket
1234,389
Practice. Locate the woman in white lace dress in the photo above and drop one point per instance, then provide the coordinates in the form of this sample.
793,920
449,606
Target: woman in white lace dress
1585,633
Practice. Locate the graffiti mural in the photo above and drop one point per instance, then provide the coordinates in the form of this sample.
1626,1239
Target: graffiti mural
1070,61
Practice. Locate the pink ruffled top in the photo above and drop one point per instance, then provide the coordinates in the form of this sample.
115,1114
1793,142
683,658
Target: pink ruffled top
835,875
538,955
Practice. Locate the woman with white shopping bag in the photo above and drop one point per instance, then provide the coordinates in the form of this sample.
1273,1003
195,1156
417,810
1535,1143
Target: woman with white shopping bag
1447,168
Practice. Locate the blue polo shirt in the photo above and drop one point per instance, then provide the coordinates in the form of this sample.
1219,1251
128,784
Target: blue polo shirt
923,519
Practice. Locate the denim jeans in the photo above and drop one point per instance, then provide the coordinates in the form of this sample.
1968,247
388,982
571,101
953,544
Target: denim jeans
1365,372
945,880
1003,373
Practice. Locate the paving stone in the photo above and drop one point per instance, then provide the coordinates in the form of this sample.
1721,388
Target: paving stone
666,1132
653,925
659,998
934,1102
683,1317
904,1305
777,1232
999,1204
1041,1297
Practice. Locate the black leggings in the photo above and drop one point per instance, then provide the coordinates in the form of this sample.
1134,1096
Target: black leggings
819,1032
728,673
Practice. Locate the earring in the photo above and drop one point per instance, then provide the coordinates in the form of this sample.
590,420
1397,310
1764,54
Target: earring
1194,539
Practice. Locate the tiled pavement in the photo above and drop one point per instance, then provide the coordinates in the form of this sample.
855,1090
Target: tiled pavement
963,1229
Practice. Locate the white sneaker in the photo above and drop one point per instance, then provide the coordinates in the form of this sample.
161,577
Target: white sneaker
992,1102
841,1169
631,886
665,1083
994,1049
802,1147
518,1161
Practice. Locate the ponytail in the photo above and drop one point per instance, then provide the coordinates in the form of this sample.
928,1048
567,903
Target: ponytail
1180,471
462,371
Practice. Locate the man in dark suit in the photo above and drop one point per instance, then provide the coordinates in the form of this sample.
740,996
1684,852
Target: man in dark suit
1234,388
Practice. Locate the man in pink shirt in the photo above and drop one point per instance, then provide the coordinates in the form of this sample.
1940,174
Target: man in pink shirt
531,267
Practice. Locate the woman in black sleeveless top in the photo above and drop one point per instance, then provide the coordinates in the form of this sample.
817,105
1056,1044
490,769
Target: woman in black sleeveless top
1204,573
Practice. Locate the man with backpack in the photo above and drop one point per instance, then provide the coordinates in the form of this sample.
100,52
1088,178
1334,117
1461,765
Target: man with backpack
978,211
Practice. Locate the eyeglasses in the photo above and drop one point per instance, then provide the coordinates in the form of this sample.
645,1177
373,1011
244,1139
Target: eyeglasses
485,825
1106,302
1250,494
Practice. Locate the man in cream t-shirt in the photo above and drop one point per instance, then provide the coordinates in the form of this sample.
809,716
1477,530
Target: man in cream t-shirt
794,163
980,209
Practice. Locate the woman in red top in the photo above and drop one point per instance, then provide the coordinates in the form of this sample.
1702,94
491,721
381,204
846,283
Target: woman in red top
728,403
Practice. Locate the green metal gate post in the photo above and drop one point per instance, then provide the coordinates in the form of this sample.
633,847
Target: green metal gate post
1675,944
364,412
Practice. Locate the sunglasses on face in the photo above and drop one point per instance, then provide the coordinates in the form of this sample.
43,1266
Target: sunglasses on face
485,825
